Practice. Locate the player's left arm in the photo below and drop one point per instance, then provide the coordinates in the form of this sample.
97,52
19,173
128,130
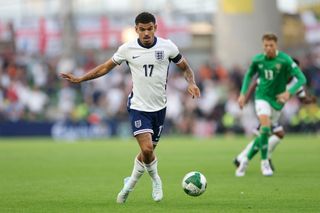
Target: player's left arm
193,89
301,80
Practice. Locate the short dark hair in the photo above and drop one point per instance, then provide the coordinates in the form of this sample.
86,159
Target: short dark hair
270,36
145,18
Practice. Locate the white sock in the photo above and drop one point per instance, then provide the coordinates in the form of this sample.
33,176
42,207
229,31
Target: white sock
263,162
245,159
245,152
152,169
272,143
137,172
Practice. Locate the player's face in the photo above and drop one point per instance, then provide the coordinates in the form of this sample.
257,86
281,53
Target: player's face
270,48
146,32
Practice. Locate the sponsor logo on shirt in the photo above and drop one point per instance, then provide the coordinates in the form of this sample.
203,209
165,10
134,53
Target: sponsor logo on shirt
135,56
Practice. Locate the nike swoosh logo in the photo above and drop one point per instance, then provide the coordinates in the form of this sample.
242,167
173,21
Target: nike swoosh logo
134,57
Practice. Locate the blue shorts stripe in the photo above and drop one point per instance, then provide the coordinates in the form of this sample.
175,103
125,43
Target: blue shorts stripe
142,131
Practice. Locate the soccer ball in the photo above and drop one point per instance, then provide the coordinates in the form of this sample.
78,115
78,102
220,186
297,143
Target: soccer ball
194,183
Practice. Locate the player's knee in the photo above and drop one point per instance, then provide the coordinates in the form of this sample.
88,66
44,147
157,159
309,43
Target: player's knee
147,151
280,134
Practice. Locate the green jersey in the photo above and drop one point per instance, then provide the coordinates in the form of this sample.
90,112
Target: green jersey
273,75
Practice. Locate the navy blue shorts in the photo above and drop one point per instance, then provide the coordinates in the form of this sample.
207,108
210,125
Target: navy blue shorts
142,122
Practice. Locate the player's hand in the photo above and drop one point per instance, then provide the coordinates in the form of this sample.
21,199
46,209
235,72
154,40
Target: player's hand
241,101
246,98
70,77
194,90
283,97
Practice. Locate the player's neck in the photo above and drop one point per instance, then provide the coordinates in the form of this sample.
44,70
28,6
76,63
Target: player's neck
272,56
148,46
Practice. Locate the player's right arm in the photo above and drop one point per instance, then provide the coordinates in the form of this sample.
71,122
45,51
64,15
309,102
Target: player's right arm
245,85
304,97
96,72
251,89
308,99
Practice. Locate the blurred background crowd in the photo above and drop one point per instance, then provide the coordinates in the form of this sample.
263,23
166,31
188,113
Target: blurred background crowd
37,46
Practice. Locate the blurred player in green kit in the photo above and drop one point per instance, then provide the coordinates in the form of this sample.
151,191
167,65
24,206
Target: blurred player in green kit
277,129
273,69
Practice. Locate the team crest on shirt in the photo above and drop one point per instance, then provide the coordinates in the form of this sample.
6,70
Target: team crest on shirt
137,123
260,66
159,55
278,67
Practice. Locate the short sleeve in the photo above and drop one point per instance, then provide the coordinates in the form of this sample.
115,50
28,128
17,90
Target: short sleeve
120,55
174,54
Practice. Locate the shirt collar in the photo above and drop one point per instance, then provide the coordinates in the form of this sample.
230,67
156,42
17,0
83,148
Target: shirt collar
148,47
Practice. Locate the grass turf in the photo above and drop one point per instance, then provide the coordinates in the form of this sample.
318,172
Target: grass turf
39,175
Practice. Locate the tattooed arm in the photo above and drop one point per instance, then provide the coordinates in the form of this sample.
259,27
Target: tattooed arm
189,76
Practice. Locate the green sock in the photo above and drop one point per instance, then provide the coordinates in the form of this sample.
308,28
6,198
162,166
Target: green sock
254,149
265,132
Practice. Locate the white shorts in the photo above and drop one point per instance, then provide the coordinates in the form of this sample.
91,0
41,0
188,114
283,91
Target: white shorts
264,108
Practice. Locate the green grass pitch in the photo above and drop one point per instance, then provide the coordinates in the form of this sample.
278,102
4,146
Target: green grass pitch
40,175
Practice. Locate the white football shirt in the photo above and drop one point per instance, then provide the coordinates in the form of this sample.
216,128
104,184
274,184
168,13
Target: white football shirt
149,69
